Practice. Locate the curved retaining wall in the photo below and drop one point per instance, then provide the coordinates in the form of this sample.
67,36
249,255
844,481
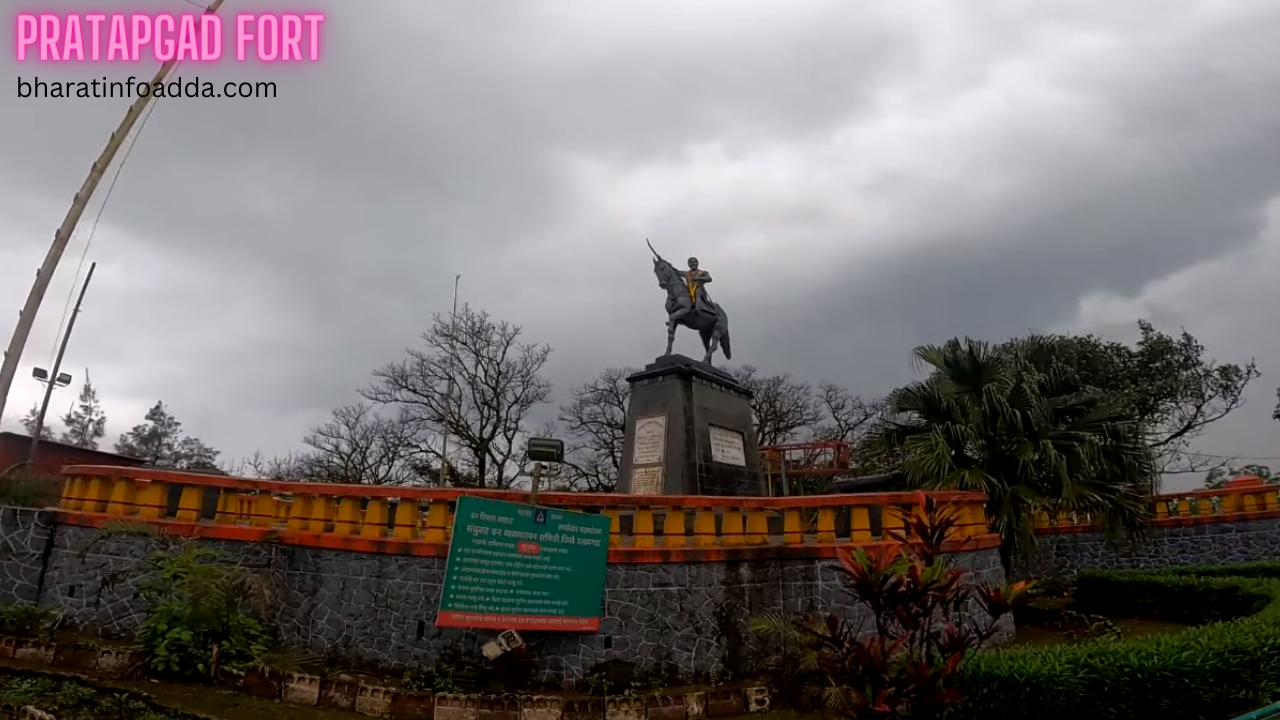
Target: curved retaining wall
361,568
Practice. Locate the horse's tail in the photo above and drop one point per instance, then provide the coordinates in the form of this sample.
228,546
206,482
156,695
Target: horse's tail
724,345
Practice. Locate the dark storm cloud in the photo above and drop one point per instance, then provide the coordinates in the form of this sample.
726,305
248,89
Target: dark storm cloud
857,182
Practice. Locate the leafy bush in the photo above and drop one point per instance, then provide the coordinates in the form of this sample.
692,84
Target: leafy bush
196,608
21,488
1212,672
27,620
922,625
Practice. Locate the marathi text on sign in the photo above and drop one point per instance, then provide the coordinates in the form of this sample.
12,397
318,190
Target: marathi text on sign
519,566
646,480
727,447
650,440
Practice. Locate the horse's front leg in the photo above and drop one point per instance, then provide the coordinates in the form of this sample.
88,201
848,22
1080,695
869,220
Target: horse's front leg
671,334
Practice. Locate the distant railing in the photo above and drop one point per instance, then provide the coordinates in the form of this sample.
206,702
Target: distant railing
418,521
1239,500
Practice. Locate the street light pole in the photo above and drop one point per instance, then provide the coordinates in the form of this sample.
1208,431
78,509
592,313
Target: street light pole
27,318
453,355
57,365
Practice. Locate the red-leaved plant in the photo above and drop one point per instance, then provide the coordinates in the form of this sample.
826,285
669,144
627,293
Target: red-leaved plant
923,618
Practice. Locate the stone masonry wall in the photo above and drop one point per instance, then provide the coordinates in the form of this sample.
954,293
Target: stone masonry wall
1199,544
686,619
24,536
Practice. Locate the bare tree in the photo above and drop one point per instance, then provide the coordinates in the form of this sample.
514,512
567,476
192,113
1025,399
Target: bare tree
474,381
357,445
785,409
848,417
596,422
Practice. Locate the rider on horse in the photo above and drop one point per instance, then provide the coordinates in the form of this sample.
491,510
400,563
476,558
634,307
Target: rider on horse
696,279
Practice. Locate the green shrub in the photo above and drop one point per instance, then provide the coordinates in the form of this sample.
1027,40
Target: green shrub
20,488
25,619
1212,672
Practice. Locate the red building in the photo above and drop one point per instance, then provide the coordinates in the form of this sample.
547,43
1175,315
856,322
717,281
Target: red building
52,456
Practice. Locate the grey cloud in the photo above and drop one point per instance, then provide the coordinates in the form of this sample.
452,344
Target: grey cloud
857,182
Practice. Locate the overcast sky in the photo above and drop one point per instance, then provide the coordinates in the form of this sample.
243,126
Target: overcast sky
859,179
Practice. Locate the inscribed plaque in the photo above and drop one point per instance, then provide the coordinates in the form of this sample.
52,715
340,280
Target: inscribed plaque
726,447
650,440
646,480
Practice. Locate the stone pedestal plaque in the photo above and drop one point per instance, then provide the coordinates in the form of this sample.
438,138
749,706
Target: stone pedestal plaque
703,417
727,447
646,480
651,440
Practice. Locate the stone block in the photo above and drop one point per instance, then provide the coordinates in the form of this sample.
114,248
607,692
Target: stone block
70,657
498,708
725,703
457,707
35,652
413,706
541,707
338,694
757,699
624,709
666,707
300,689
262,683
7,646
695,705
373,701
116,661
582,709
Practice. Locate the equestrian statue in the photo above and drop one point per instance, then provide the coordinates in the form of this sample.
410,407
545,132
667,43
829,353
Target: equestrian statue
689,305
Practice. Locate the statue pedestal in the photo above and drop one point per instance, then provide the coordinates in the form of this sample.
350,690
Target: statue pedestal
690,431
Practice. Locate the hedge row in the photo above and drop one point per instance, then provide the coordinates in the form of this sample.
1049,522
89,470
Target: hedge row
1215,671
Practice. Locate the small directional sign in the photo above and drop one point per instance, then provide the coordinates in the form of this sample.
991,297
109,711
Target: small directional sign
546,450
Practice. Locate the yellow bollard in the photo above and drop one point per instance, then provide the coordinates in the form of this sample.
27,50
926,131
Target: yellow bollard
437,522
406,523
300,513
262,510
859,524
891,522
615,527
228,507
826,525
73,493
673,529
791,532
189,503
757,528
704,528
348,520
375,519
123,496
642,529
321,512
153,500
96,497
731,528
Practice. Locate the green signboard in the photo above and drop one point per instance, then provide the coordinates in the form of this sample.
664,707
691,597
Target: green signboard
522,567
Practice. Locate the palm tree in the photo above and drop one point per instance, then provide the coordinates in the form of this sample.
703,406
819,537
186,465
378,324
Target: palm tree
1013,423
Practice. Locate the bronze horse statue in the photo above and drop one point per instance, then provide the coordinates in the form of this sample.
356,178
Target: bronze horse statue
689,305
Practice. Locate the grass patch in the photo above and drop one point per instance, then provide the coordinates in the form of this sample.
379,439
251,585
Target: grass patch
1225,667
73,700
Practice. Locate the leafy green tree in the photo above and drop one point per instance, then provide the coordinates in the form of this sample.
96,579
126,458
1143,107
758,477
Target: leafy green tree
1167,383
85,422
1011,422
31,419
161,443
1219,477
